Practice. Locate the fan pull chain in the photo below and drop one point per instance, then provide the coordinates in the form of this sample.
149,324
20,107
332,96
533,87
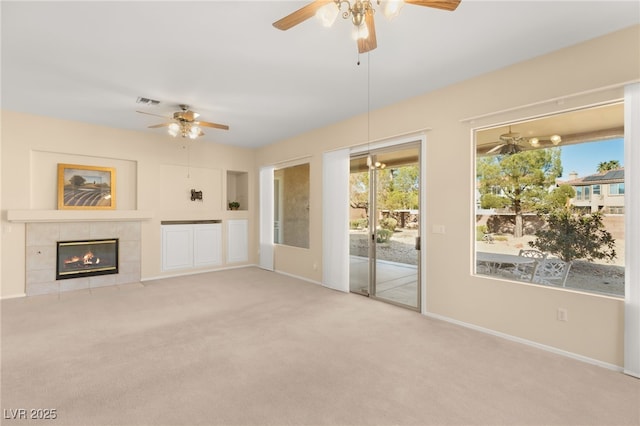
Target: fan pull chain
186,146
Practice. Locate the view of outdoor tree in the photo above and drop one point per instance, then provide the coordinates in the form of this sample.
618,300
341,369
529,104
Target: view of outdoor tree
558,198
608,165
402,187
359,193
397,188
520,181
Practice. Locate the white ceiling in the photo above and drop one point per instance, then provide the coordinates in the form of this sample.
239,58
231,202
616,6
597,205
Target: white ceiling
89,61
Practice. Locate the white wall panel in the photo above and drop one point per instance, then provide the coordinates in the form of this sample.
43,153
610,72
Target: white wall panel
266,218
632,237
335,219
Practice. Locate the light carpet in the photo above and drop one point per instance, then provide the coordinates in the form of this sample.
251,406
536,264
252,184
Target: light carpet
252,347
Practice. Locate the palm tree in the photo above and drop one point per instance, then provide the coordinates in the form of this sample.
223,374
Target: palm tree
608,165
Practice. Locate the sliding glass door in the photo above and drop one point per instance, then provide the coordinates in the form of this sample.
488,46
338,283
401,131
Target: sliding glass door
384,225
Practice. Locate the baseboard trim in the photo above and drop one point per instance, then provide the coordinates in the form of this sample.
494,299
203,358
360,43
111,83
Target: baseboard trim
298,277
200,271
528,342
14,296
632,373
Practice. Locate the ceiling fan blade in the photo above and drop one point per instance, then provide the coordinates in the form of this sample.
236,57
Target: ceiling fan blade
369,43
155,115
438,4
155,126
214,125
300,15
495,148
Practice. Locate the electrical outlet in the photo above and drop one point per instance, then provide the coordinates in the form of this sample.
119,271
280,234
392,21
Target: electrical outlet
563,314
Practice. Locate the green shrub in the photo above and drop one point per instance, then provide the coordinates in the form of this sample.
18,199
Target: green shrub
388,223
383,235
361,223
571,235
481,231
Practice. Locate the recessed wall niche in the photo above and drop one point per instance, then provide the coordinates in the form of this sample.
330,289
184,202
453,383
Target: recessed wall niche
237,190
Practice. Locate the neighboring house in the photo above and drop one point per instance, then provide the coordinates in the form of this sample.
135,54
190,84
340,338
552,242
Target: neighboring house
599,192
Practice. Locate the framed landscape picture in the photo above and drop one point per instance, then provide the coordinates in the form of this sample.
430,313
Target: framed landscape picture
86,187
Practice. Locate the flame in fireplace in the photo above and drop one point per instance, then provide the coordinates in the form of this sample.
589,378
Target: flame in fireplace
88,259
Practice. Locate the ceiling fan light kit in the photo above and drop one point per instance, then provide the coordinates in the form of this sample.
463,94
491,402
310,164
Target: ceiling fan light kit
184,123
361,14
186,130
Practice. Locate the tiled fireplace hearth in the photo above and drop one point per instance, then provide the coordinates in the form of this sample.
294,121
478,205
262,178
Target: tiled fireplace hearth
41,254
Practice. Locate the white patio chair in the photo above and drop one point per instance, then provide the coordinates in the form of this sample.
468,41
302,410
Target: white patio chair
483,268
524,271
551,271
536,254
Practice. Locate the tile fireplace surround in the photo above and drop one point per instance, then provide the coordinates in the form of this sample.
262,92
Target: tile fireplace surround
41,254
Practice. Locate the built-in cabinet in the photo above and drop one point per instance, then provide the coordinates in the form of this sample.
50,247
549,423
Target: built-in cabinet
237,240
191,245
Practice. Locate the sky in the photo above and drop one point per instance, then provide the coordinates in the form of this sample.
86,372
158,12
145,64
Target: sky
584,158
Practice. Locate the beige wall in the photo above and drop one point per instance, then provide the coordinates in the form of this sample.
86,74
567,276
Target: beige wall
155,173
540,86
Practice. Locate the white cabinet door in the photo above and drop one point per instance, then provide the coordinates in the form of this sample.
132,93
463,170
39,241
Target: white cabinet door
177,247
237,240
207,244
191,245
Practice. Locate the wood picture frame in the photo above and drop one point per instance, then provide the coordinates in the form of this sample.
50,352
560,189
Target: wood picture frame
86,187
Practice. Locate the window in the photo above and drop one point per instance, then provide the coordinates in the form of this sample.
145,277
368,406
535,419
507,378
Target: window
291,206
616,189
583,193
530,216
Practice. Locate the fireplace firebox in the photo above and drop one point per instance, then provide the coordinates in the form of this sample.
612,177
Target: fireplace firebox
86,258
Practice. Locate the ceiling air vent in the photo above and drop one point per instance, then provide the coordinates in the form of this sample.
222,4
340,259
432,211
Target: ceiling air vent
146,101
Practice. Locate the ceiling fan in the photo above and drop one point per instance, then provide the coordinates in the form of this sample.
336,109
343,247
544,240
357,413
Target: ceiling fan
511,142
184,123
361,13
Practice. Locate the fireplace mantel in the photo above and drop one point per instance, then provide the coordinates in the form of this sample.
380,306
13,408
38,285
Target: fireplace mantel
28,216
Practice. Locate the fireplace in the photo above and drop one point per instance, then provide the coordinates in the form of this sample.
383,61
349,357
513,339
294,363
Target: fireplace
77,259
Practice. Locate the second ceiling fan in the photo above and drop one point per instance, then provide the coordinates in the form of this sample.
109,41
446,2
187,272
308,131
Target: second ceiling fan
512,143
185,123
361,13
